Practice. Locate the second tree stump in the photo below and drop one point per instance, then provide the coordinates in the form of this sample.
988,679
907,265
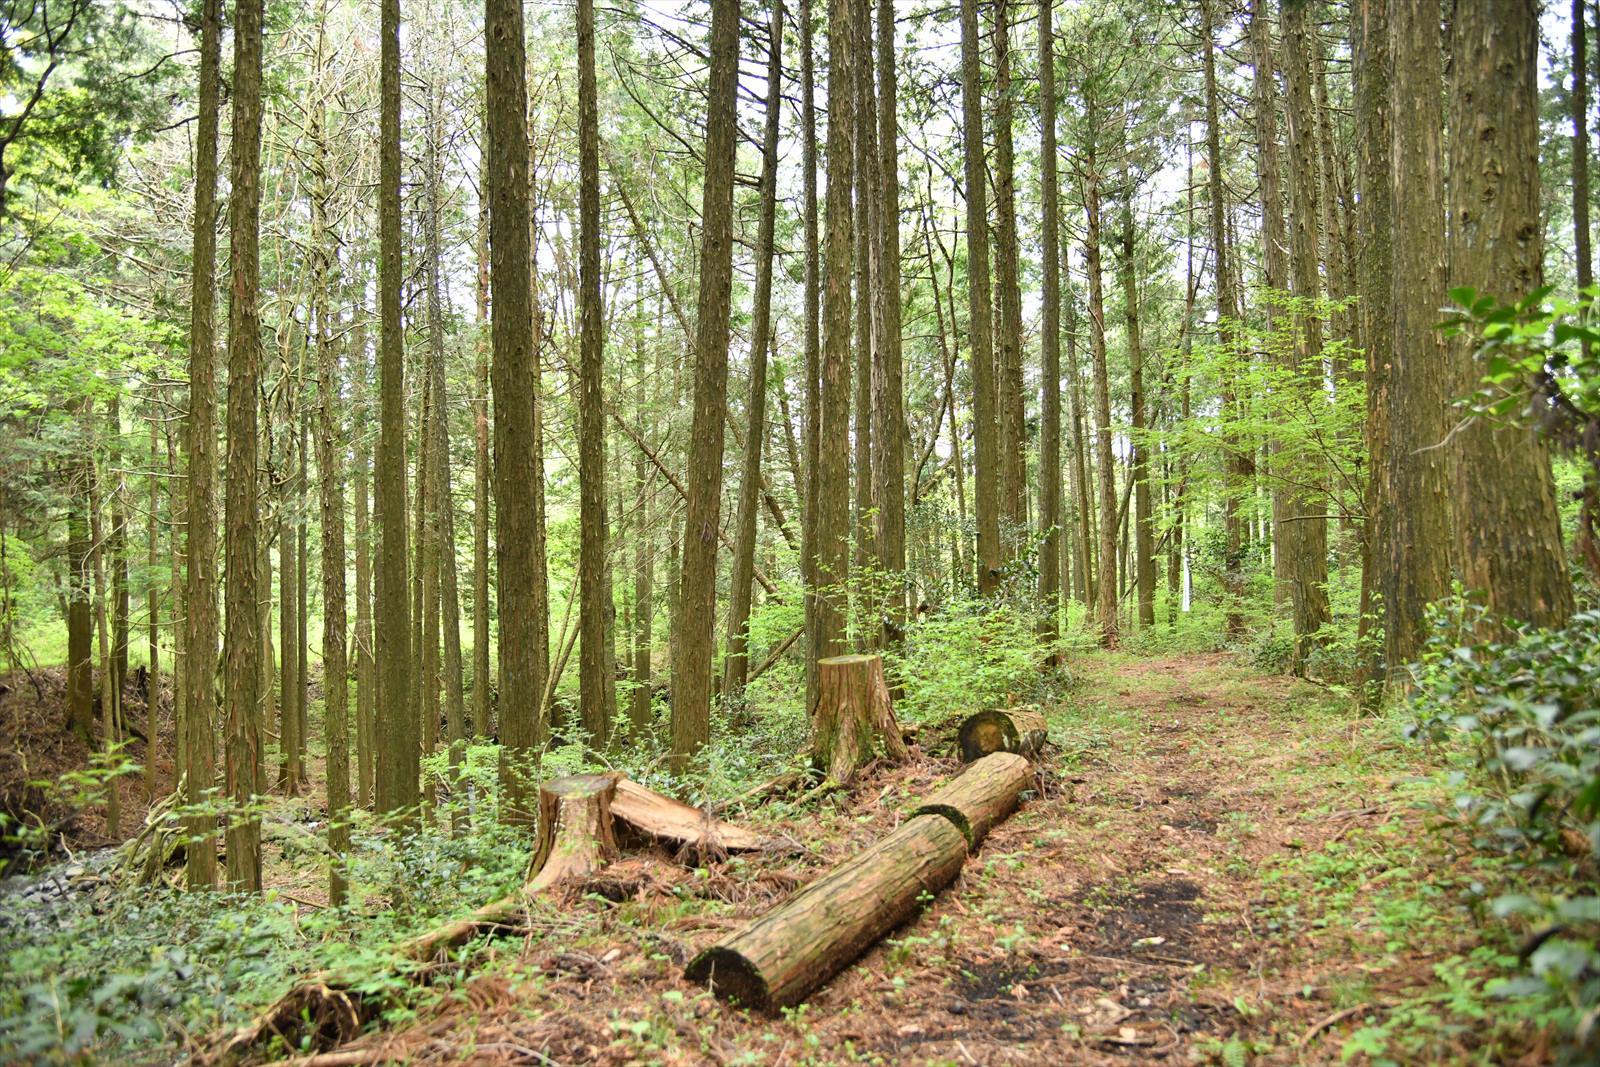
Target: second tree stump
852,708
575,834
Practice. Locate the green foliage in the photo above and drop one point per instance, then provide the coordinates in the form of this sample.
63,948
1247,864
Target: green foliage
969,656
1522,718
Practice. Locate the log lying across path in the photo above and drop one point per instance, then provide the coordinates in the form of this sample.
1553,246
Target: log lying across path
1019,730
778,959
582,819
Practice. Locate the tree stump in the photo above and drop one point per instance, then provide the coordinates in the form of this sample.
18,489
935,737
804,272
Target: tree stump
983,795
1019,730
852,708
575,834
782,956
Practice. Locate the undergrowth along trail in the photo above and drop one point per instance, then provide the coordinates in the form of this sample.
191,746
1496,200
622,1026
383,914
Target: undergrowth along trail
1220,867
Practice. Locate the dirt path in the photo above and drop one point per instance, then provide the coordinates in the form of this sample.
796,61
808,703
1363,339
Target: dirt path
1147,907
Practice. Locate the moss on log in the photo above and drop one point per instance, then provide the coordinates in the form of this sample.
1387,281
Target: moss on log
984,794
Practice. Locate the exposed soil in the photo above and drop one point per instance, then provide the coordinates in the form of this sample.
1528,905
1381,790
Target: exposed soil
1120,917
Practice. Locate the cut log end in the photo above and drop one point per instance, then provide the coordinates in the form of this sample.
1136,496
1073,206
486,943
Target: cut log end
730,976
1019,730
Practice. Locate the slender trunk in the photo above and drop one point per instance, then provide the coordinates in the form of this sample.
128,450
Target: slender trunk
366,725
152,688
987,461
1106,582
80,616
641,704
736,660
867,269
887,371
110,696
1051,517
1082,487
1307,546
481,683
813,342
1144,548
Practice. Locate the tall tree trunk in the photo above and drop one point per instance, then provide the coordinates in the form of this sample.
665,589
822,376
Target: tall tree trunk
1588,536
1106,581
641,703
242,640
288,629
481,688
1051,517
887,371
597,696
736,658
366,724
512,326
1275,247
80,614
152,689
1418,565
1508,527
1307,544
867,278
110,695
330,498
1008,347
984,415
832,466
1144,547
691,680
813,342
1237,462
302,658
1082,486
1369,49
398,725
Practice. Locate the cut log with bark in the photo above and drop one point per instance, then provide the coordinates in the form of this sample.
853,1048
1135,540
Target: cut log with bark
1020,730
852,712
575,834
693,830
983,795
782,956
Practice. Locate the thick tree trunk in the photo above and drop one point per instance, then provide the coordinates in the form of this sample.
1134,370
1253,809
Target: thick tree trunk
575,835
852,709
812,395
1008,346
736,658
522,624
867,188
691,679
242,640
887,372
398,725
1416,462
1369,48
1508,526
979,302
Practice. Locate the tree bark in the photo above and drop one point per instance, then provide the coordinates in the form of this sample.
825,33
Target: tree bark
1106,581
867,273
1508,526
982,796
1307,542
813,345
1418,564
242,640
736,657
1144,541
482,700
512,326
366,725
852,708
1019,730
597,694
984,415
1052,518
1008,347
887,374
691,680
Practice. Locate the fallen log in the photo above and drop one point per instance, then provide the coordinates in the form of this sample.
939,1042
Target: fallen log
852,708
982,796
780,958
784,955
1020,730
693,830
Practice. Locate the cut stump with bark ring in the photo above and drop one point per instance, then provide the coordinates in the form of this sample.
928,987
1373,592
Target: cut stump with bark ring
1020,730
575,833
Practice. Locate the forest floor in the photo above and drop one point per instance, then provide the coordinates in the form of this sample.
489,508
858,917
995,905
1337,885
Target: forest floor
1219,866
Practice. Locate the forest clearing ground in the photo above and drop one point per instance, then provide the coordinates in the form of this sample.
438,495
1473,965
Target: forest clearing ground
1222,866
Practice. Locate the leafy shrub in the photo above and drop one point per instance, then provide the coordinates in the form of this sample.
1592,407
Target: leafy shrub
1524,717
